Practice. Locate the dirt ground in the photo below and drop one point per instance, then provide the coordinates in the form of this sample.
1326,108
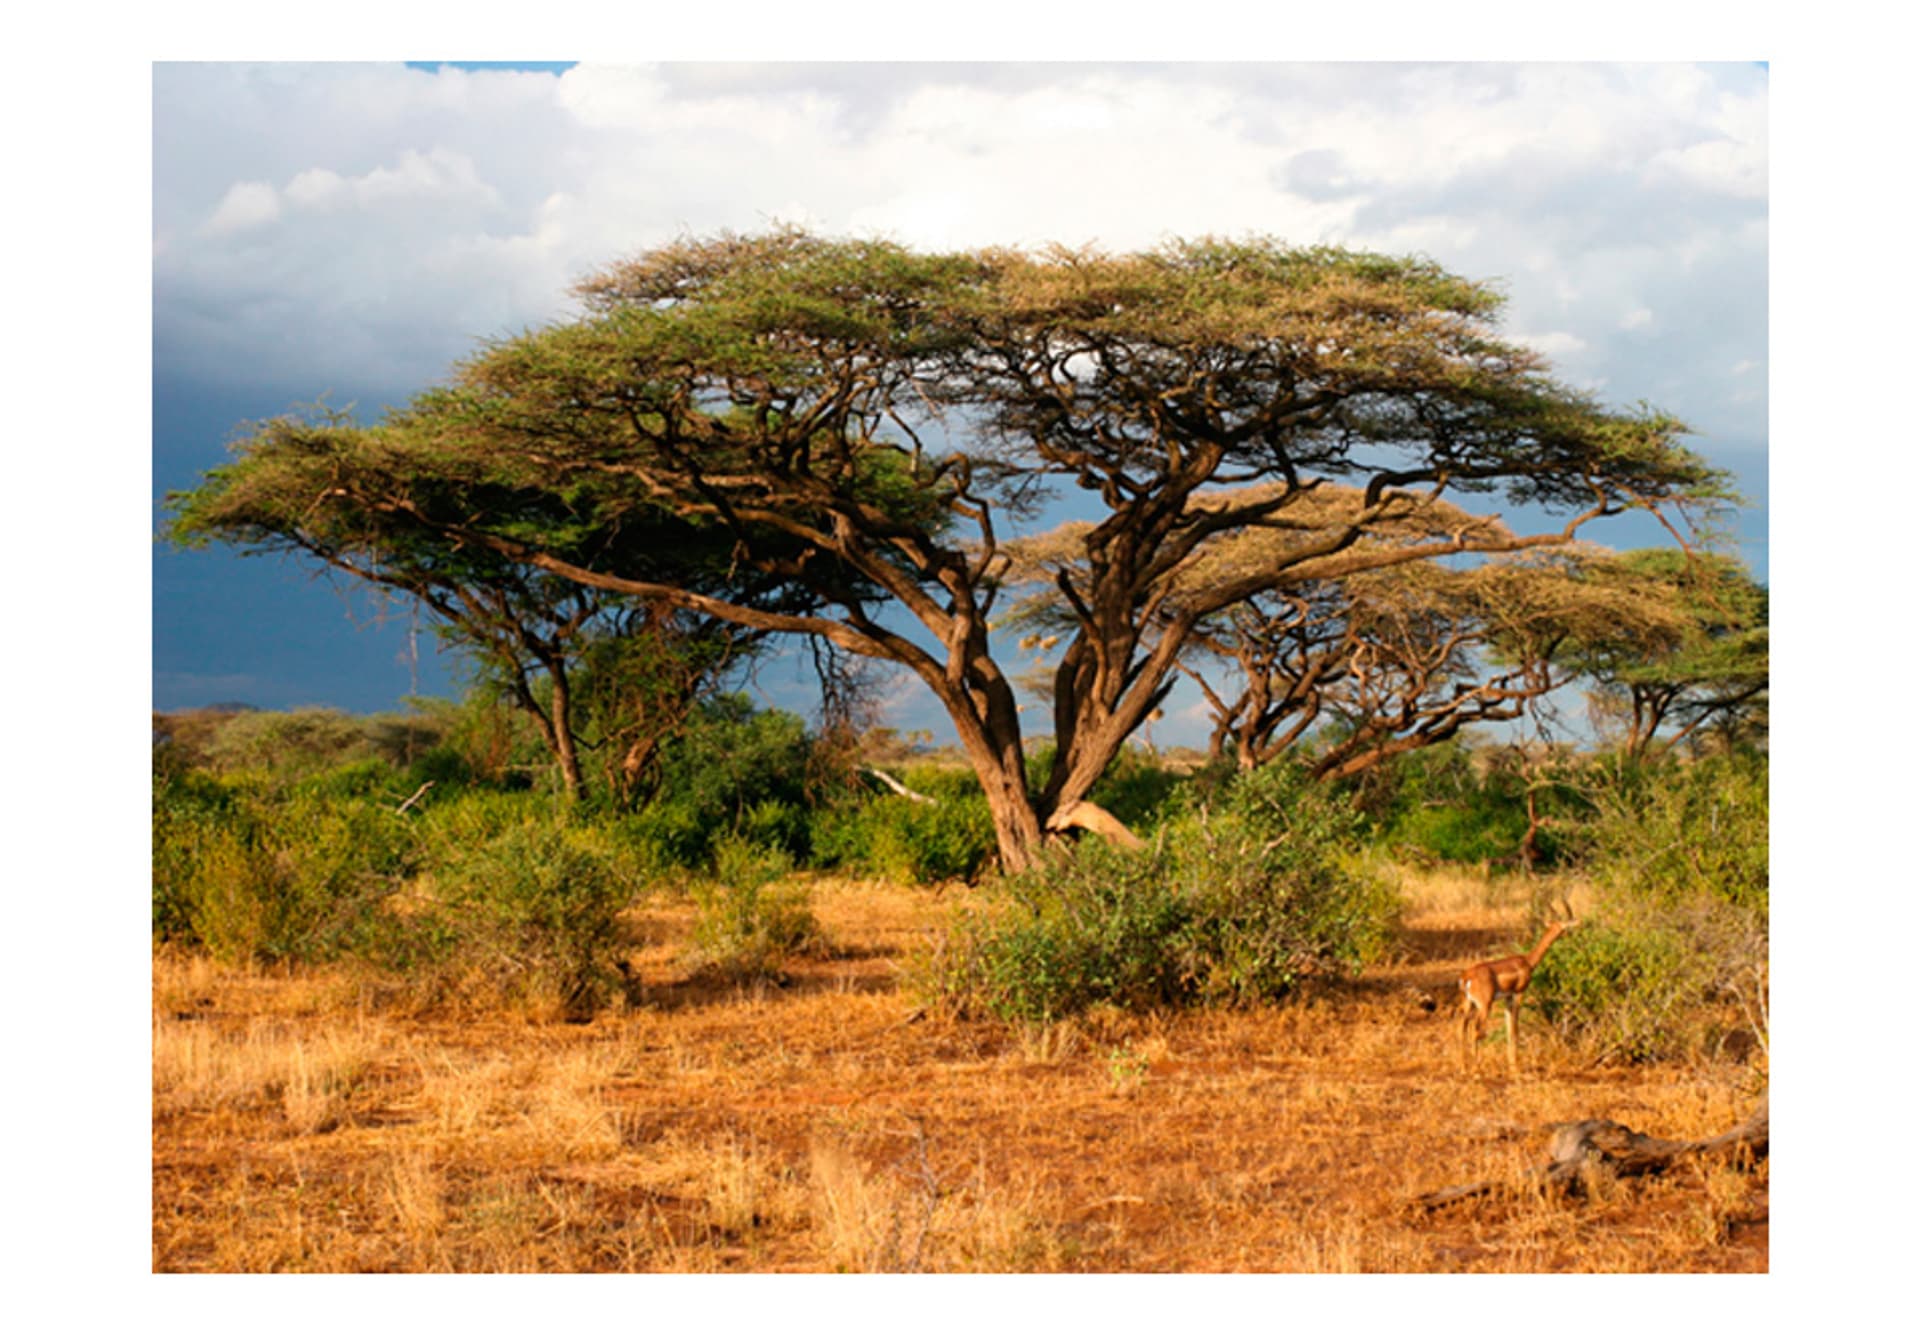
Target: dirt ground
830,1124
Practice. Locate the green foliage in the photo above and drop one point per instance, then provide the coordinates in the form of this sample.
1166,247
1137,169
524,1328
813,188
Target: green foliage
251,873
1456,834
1137,790
468,818
323,749
1674,956
1232,903
748,924
1711,667
189,810
914,842
1643,981
1673,831
373,777
1448,803
527,915
492,740
296,743
731,770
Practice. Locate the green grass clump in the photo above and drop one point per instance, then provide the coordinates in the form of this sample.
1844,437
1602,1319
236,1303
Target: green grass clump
747,923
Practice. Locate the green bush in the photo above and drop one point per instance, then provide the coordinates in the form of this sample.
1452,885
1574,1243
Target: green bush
253,874
910,842
1137,790
526,915
189,809
1675,831
442,765
1233,902
747,924
1450,803
464,818
373,778
731,770
294,743
1641,981
1673,958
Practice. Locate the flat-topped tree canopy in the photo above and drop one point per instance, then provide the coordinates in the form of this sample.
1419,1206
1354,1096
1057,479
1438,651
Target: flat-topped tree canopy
862,421
380,504
1400,652
1711,671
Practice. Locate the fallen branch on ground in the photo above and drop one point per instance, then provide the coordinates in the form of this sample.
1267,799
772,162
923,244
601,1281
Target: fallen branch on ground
1612,1147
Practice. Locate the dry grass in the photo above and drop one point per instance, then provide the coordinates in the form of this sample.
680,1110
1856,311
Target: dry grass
823,1126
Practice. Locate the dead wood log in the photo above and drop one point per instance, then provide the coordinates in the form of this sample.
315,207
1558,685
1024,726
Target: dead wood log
895,785
1608,1146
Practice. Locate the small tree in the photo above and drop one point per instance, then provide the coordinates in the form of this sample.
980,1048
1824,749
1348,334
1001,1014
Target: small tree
296,488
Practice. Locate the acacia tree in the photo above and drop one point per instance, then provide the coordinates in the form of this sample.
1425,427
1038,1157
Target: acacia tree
857,417
1375,664
292,491
1711,667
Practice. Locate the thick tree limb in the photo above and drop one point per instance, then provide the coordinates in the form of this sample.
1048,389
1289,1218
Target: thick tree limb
1095,819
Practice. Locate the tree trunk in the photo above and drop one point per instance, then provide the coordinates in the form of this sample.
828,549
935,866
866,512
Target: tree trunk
1016,824
561,731
634,765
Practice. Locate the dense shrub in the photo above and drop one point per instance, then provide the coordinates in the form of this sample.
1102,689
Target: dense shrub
294,743
252,873
189,809
494,740
915,842
1137,789
1644,981
1673,958
1452,803
524,914
356,778
1673,831
1234,901
731,770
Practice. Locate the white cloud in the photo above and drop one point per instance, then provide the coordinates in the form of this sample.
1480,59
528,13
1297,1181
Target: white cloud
247,205
1621,208
1555,344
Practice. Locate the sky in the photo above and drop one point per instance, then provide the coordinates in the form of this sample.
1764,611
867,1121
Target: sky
348,230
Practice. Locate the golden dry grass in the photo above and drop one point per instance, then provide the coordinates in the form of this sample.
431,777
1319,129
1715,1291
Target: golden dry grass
825,1125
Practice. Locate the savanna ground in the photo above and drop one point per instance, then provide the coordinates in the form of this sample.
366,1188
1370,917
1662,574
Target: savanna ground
828,1124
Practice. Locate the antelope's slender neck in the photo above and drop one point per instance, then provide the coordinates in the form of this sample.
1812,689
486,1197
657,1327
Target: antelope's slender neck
1539,951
